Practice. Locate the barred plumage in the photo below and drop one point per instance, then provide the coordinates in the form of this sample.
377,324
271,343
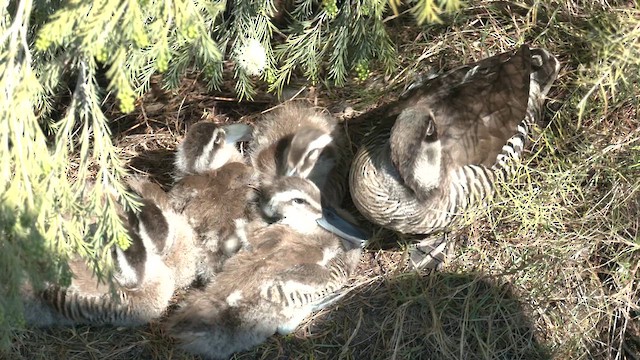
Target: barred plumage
442,147
336,276
93,309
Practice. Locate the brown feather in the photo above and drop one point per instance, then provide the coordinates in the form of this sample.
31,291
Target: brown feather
481,112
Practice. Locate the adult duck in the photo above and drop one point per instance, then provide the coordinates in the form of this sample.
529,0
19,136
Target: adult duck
440,149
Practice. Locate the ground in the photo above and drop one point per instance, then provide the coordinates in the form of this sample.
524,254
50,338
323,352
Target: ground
549,271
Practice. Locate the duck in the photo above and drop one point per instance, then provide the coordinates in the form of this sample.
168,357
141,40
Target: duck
296,139
296,265
144,280
181,246
441,147
213,188
208,146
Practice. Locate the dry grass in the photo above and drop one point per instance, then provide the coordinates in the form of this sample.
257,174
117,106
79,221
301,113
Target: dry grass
550,272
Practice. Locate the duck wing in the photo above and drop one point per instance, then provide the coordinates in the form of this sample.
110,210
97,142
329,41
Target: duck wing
478,107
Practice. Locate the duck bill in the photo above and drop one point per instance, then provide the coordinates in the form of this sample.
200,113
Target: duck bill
237,132
341,227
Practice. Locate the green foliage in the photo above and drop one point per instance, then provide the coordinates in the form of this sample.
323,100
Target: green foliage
616,71
428,10
53,131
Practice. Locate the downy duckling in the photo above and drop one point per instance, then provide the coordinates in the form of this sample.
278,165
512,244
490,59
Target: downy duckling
439,150
213,191
295,266
146,275
297,140
181,247
207,147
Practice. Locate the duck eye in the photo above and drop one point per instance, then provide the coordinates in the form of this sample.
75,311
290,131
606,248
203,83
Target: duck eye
299,201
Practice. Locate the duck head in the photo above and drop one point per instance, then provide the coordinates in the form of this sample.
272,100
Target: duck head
416,151
292,201
297,203
304,150
208,146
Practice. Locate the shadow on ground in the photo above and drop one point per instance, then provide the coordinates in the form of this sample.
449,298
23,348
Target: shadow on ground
403,316
413,316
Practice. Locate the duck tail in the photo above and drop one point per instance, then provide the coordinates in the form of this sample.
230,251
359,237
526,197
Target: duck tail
544,71
511,151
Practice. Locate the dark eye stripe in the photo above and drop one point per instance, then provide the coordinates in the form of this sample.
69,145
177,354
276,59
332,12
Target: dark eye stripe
295,196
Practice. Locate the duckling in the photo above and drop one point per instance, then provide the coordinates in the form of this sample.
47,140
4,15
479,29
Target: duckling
440,148
213,190
208,146
296,265
181,244
297,140
147,273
